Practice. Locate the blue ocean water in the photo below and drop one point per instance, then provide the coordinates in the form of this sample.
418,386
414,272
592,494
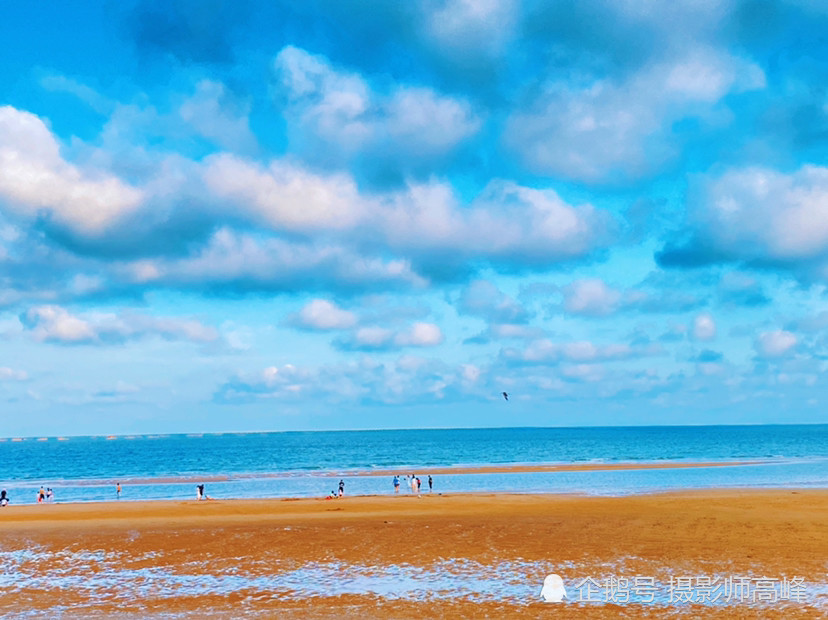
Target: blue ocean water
296,464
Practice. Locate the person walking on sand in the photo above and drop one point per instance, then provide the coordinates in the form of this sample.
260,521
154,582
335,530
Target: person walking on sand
396,484
118,490
341,488
429,483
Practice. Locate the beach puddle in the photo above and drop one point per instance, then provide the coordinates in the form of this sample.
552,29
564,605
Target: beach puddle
94,577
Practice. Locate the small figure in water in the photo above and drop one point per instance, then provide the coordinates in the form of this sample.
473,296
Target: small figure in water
118,490
429,483
41,495
4,498
396,484
200,492
341,488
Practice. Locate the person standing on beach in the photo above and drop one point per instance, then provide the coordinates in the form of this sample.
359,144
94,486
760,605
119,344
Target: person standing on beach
429,483
200,492
396,484
41,495
4,498
118,490
341,488
413,483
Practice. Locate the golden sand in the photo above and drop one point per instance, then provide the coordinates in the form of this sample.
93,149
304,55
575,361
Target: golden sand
758,533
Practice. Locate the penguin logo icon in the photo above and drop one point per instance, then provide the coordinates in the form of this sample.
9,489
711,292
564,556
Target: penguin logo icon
553,590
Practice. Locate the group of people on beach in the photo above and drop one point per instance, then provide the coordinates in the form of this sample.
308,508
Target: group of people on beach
341,492
45,495
415,483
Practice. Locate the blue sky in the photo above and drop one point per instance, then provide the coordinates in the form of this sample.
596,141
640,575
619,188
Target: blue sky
340,214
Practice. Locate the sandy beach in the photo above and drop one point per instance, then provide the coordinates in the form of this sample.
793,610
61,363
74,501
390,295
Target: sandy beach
406,557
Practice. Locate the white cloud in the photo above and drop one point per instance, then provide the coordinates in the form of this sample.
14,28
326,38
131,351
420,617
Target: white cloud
420,335
591,297
61,83
11,374
217,116
323,314
704,327
372,337
545,350
248,262
285,196
408,379
624,127
56,324
506,223
465,27
777,343
35,179
758,213
341,110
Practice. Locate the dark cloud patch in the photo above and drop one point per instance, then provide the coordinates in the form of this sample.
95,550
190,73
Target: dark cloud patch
740,290
149,233
687,256
204,31
707,356
591,35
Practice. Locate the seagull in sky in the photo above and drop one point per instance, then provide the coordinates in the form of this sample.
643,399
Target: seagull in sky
505,395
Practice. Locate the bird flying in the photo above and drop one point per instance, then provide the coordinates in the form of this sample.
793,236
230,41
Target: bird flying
505,395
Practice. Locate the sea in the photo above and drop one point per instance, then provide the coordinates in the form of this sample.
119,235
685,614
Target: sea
310,464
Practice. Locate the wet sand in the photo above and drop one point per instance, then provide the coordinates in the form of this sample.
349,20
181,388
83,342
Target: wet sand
225,559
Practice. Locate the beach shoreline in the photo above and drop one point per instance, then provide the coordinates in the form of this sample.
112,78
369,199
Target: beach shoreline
259,545
434,470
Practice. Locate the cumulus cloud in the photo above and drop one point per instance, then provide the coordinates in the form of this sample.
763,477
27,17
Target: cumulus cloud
341,110
408,379
420,335
235,262
590,297
472,27
548,351
36,181
56,324
704,327
322,314
218,116
759,215
314,228
286,196
613,127
775,344
506,224
12,374
376,338
593,297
